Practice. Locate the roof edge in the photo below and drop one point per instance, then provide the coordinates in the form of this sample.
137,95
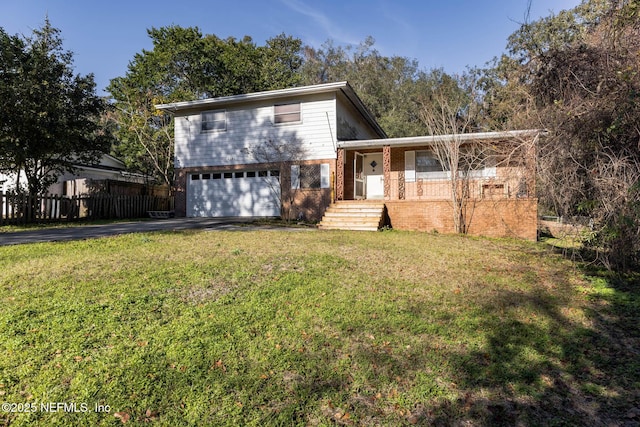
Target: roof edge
254,96
413,141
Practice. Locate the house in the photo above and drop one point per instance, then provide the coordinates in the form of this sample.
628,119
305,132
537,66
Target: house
316,152
108,175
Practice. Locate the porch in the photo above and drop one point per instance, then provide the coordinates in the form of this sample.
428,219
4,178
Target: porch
497,195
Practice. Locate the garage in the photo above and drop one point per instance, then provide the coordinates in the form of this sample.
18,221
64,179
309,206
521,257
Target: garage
234,194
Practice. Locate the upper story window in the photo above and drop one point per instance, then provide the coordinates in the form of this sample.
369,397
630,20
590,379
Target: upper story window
214,121
286,113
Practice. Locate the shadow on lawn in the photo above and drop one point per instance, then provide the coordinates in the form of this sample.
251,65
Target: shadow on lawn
551,370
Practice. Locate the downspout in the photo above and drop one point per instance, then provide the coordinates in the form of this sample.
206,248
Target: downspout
335,150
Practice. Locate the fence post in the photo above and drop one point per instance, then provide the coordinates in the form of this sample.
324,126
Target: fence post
25,208
10,206
74,208
16,208
47,207
54,208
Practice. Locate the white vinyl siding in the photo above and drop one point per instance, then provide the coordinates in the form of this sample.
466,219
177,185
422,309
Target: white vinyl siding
250,126
350,124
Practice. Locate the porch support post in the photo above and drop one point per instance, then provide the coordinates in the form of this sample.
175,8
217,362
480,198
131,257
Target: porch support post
386,170
340,174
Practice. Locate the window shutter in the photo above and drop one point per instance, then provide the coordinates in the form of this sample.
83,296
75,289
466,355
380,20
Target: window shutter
295,177
409,166
324,175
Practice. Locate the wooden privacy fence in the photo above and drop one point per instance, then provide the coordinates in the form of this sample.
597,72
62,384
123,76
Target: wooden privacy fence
23,209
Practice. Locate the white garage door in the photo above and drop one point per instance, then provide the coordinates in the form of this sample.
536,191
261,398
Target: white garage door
250,193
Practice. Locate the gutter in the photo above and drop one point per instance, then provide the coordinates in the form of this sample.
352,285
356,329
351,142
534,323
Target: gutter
413,141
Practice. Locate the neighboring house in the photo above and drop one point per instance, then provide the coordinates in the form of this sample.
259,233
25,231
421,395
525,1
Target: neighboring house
108,175
293,152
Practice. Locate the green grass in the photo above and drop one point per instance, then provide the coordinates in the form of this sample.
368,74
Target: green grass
312,328
12,228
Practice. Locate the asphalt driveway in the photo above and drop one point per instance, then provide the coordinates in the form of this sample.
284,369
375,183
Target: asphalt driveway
82,232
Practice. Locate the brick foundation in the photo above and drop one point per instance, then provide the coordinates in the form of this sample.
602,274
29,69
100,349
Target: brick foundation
308,204
492,218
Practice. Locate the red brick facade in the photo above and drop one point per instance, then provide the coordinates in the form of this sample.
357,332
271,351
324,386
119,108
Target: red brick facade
308,204
493,218
498,206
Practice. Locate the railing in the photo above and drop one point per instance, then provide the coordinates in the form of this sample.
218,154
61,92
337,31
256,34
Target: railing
441,189
23,209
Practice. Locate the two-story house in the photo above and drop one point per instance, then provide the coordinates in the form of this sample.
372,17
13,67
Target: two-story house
293,152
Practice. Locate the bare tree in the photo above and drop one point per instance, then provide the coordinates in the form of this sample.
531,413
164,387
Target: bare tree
448,112
281,154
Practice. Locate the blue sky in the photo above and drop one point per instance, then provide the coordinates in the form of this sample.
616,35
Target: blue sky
105,35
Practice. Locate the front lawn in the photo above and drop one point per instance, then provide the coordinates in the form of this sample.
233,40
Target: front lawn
312,328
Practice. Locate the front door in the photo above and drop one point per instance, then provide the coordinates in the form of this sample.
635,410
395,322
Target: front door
374,175
359,180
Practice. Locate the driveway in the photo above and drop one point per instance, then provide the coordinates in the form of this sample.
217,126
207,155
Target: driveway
82,232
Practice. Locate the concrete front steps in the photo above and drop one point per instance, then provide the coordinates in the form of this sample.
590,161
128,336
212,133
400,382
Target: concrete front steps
353,215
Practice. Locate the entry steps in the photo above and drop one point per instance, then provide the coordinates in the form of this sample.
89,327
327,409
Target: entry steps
353,215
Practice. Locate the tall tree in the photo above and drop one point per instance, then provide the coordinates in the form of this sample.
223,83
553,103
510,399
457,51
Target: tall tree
50,118
588,93
280,63
389,86
576,73
183,65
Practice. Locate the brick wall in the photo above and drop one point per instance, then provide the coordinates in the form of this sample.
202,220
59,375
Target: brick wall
493,218
308,203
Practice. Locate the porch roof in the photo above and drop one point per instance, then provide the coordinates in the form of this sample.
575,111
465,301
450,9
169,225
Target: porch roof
415,141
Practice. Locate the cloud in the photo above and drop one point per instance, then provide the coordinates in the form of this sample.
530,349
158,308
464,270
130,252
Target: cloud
331,30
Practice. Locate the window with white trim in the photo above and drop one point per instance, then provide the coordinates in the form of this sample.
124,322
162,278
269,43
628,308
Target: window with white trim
286,113
473,163
214,121
428,165
310,176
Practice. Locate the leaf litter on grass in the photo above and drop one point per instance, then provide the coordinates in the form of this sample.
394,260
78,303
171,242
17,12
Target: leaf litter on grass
313,328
